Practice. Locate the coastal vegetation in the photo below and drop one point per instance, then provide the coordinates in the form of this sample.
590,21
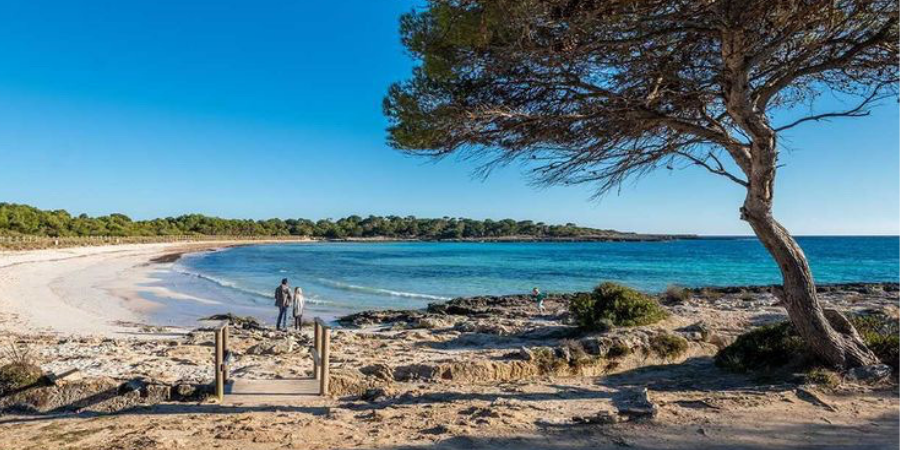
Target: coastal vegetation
668,346
778,345
16,219
612,304
19,371
605,92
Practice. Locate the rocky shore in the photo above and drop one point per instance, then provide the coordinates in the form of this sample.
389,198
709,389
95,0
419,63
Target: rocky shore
465,373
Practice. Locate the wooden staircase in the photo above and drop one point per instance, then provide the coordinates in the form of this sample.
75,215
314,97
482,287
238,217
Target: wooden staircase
243,392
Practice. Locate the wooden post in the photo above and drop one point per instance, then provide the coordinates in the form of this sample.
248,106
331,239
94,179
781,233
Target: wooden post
316,349
326,350
220,356
224,353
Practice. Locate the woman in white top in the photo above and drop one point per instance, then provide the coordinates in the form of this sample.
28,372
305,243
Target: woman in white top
297,308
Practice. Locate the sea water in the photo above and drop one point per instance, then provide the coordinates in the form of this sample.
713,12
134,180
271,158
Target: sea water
339,278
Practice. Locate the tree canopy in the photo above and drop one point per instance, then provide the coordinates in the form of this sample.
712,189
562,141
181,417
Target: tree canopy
598,91
27,220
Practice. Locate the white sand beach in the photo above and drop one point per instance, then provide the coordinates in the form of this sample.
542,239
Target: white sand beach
97,291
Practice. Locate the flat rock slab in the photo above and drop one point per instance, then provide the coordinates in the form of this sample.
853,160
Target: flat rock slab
240,392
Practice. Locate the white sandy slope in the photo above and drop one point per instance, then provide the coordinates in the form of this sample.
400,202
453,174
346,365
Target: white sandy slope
70,291
87,290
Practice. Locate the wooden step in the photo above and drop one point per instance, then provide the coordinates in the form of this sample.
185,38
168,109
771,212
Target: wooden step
244,392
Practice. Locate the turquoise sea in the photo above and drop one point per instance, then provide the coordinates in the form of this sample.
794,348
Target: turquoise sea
339,278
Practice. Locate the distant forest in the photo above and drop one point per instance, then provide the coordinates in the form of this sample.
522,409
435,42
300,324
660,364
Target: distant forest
18,219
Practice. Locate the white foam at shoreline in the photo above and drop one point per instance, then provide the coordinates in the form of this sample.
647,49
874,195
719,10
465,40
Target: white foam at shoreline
233,286
378,291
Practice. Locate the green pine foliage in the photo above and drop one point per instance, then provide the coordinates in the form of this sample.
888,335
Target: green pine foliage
18,219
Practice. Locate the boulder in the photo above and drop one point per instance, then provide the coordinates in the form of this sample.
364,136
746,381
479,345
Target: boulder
374,394
431,322
869,374
378,371
184,391
691,332
155,393
414,372
526,354
640,407
597,346
272,348
601,418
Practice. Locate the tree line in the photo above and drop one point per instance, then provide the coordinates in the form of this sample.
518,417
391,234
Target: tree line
16,219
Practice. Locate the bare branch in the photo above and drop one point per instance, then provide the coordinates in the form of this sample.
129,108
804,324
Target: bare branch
719,169
772,88
858,111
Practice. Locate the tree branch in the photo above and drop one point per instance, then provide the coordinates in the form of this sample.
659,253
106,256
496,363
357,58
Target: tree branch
719,169
770,89
858,111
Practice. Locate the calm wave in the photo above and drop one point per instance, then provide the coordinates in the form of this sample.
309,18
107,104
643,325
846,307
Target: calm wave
344,277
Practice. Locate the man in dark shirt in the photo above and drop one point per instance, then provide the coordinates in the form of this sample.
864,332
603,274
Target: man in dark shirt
282,301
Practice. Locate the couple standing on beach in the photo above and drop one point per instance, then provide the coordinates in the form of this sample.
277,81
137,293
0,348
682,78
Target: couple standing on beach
285,300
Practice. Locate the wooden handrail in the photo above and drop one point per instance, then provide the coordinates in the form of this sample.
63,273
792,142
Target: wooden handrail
321,354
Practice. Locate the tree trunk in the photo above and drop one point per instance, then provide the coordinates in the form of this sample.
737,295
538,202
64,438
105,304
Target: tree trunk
832,340
835,341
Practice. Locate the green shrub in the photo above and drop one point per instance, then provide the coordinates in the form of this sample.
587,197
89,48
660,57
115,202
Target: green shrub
18,375
668,346
547,361
616,304
822,377
618,350
764,348
581,307
882,335
776,345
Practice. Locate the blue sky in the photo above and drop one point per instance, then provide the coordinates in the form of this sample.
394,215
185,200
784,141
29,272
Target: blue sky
273,109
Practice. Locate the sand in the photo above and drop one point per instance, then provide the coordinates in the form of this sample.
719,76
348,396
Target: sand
88,291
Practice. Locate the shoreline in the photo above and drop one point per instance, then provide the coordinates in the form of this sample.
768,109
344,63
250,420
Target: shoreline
117,289
92,291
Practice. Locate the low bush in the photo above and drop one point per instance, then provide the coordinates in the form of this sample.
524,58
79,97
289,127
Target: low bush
618,350
668,346
547,361
764,348
882,335
18,375
772,346
612,303
822,377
